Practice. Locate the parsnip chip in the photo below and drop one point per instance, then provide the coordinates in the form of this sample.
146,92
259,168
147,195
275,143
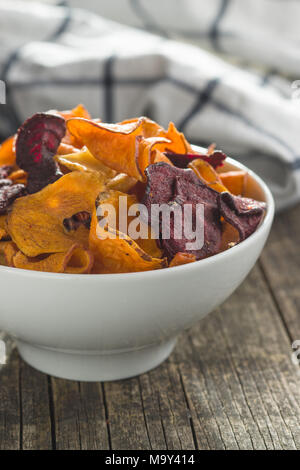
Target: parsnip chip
120,254
76,260
83,160
66,149
122,182
36,222
149,244
7,152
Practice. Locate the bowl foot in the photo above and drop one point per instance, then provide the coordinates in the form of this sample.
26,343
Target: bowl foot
93,366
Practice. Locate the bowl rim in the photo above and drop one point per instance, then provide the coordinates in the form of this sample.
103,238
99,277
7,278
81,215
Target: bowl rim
267,221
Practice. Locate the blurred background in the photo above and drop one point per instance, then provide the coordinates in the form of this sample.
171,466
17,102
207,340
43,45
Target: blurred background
225,71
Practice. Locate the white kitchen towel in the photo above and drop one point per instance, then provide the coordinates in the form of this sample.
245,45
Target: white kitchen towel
55,56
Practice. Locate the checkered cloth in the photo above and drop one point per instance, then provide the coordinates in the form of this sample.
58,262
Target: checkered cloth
54,56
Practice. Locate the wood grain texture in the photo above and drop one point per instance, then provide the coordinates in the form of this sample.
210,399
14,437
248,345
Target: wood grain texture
34,401
229,384
280,262
79,415
10,412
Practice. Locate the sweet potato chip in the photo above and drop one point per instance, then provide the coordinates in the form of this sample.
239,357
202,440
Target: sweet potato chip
8,249
145,152
80,262
175,140
36,222
113,144
234,181
4,236
119,255
2,257
182,258
149,128
83,160
81,112
7,152
230,236
178,142
161,157
76,260
207,174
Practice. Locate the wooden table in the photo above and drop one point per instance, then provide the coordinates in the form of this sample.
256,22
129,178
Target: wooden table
230,384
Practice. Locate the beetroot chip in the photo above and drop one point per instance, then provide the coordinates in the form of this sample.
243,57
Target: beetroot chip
5,182
8,194
212,232
242,213
37,142
160,184
36,182
181,160
178,187
5,171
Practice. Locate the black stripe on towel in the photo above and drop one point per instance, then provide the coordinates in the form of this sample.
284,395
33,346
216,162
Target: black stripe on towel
214,32
202,99
108,83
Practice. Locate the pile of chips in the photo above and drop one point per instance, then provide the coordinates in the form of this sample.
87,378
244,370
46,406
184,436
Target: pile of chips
61,166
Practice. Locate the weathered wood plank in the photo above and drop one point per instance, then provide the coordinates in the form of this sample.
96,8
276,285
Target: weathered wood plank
126,418
79,415
10,413
281,264
165,409
238,377
36,423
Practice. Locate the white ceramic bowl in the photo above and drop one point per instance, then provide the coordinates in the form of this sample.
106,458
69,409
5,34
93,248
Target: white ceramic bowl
114,326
